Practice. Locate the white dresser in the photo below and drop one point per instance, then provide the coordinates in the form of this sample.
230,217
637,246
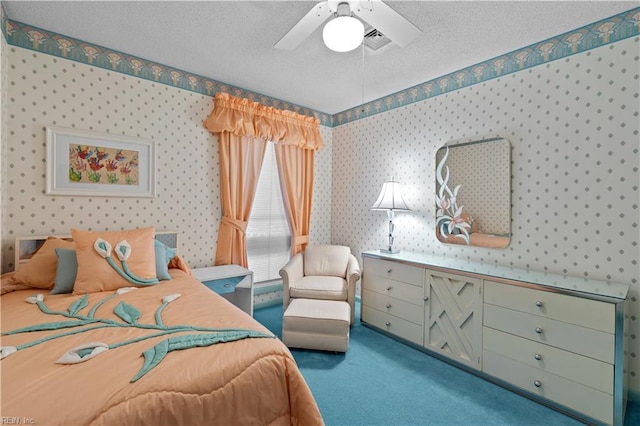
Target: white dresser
556,339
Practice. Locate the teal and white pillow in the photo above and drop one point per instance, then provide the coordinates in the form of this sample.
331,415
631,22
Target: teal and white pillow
164,255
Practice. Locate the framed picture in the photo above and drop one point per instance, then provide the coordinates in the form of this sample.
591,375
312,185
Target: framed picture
99,164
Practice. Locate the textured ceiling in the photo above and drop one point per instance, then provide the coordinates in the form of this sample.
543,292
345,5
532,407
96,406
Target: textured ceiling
232,41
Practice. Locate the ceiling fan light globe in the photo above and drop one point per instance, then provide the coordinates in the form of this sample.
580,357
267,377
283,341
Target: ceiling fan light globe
343,34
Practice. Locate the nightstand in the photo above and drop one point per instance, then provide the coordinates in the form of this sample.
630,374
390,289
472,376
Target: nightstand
232,282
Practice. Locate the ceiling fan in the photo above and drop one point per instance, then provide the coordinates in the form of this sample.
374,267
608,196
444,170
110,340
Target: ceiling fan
374,12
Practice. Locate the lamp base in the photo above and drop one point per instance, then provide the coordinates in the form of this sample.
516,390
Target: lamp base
390,250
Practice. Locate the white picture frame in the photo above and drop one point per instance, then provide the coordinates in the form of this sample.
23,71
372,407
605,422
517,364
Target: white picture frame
84,163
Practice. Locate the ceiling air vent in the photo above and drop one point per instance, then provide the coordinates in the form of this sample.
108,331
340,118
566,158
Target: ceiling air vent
374,39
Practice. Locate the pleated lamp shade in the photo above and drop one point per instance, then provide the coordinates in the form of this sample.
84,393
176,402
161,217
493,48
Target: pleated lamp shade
390,197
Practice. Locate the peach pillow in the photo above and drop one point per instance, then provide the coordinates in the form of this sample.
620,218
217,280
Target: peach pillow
40,271
7,285
95,274
178,263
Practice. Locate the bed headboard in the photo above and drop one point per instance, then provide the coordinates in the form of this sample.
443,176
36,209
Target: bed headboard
25,246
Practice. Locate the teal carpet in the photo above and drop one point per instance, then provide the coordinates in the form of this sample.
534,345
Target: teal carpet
380,381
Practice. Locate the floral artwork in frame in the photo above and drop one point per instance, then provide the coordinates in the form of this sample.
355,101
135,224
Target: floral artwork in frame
98,164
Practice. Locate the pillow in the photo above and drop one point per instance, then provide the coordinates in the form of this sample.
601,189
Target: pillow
40,271
7,285
162,260
68,267
178,263
170,252
66,271
95,273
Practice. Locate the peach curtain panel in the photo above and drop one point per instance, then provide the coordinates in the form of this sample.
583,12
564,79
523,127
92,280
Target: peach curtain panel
240,163
243,128
295,167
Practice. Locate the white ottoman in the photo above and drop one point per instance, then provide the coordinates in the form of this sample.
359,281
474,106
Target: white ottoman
317,324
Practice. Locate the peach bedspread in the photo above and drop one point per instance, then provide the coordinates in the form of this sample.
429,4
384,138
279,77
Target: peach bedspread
250,381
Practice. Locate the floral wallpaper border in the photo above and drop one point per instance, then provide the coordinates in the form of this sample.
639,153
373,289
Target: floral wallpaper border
40,40
609,30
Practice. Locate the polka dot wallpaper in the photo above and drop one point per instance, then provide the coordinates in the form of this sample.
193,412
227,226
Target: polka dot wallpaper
3,132
573,126
45,90
320,232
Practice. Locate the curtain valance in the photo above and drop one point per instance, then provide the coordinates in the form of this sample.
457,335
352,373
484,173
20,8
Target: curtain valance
244,117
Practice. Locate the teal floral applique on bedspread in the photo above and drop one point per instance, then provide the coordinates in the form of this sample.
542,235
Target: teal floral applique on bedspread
129,318
123,251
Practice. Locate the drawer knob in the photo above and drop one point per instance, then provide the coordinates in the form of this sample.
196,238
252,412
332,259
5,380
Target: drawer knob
389,288
387,323
538,357
539,303
538,330
388,306
537,383
389,271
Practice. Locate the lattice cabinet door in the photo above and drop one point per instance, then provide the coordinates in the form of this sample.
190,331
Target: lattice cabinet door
453,317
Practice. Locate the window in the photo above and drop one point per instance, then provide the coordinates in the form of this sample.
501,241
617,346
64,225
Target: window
268,234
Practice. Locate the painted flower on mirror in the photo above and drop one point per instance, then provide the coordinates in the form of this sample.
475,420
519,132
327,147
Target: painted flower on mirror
443,205
449,217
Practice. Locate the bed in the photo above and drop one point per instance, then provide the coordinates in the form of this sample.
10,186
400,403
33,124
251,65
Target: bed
249,379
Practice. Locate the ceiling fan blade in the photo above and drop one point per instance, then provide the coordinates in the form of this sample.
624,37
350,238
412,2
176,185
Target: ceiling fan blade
389,22
308,24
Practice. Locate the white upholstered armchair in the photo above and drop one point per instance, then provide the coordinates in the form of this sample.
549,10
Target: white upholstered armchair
326,272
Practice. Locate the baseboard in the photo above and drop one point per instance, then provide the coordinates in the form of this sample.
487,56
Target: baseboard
267,303
267,294
259,289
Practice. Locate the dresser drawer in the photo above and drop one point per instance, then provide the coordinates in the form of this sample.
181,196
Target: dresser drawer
584,399
392,288
394,270
575,310
585,341
587,371
395,307
401,328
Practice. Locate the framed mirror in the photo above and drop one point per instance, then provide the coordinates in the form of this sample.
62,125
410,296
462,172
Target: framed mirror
473,193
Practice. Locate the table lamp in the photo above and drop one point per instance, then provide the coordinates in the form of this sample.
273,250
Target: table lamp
390,199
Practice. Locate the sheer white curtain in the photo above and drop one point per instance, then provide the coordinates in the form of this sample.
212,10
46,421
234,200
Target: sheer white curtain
268,235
